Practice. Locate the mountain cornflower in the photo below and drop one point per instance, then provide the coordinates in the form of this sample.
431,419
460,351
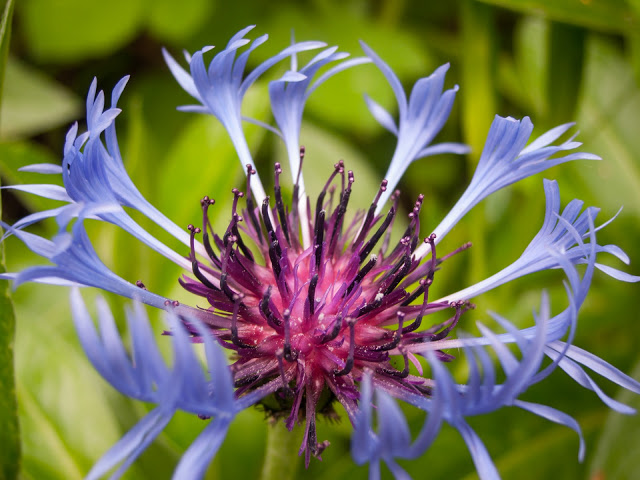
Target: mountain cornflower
314,302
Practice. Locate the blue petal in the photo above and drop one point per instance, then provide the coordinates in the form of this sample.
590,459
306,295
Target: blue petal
555,416
132,444
45,168
202,451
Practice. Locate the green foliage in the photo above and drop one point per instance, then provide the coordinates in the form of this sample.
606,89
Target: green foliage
555,60
10,431
615,16
609,459
65,31
33,103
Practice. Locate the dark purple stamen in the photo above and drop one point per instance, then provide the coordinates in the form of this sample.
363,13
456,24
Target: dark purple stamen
290,355
319,235
312,292
234,324
371,213
206,202
265,309
352,346
366,250
251,206
292,311
195,265
280,205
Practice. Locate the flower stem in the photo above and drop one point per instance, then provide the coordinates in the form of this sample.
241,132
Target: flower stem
281,456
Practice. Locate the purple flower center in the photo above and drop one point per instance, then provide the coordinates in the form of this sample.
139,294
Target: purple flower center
306,322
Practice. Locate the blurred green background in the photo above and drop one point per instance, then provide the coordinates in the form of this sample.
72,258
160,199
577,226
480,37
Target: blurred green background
554,60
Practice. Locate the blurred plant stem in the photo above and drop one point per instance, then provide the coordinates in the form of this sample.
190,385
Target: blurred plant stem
478,106
566,58
281,457
9,430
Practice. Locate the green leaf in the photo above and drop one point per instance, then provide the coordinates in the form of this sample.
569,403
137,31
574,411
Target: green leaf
203,161
34,103
608,117
612,16
15,155
177,21
566,55
634,55
10,431
5,35
610,460
478,102
65,406
66,31
524,78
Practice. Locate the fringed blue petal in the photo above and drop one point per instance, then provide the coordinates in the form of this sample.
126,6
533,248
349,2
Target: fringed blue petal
559,238
420,120
506,160
145,376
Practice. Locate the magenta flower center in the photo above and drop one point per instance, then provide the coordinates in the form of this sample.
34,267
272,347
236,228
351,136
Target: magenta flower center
305,322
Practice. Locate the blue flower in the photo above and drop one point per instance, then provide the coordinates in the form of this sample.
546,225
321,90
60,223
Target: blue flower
421,119
221,88
453,403
313,303
506,160
145,376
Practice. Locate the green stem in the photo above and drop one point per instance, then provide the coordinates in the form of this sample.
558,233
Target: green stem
478,106
9,427
281,456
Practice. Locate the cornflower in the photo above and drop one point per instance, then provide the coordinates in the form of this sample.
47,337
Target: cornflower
312,303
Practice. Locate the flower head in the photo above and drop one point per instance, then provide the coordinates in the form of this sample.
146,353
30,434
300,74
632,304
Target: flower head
313,300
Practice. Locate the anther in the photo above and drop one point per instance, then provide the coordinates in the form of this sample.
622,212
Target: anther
225,260
362,273
397,336
237,300
352,347
424,285
399,272
266,219
319,237
337,168
431,240
289,354
337,326
251,205
311,293
451,323
274,256
206,202
195,265
371,213
339,215
404,373
285,386
271,319
366,250
296,186
280,205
